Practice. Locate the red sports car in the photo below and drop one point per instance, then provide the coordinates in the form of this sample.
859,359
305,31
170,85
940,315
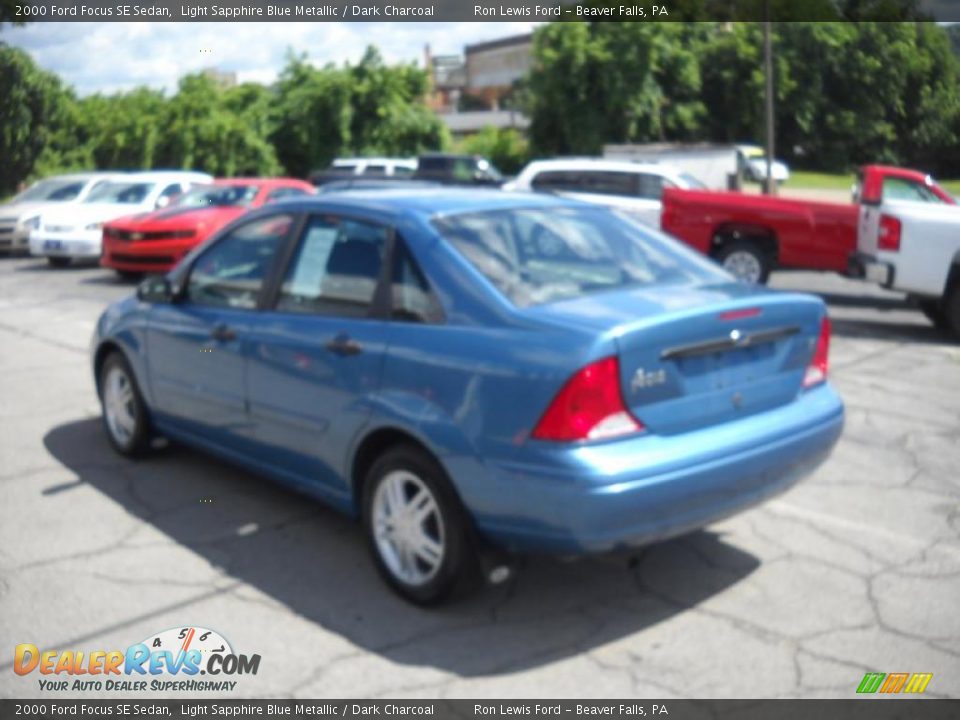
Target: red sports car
155,241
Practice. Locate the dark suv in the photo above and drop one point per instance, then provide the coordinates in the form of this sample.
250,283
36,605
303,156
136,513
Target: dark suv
457,170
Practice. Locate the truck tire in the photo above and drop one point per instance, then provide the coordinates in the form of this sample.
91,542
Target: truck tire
951,310
747,260
933,309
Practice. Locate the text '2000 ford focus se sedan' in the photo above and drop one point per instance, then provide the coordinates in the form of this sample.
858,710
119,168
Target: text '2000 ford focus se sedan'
464,369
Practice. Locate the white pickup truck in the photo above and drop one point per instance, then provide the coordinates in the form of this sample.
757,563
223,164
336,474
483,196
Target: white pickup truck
908,239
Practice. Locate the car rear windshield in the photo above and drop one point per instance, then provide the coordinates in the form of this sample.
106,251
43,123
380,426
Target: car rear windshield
219,196
540,255
132,193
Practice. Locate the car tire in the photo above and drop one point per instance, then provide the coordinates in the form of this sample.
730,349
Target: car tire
951,310
58,262
123,410
746,260
416,528
933,309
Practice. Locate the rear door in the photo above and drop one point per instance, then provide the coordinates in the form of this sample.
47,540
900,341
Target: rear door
318,351
198,345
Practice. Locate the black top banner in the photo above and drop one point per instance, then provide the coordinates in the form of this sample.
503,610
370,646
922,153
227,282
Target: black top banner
883,709
877,709
483,10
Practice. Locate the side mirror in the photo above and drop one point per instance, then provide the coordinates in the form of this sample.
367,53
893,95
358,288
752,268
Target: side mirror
155,289
163,201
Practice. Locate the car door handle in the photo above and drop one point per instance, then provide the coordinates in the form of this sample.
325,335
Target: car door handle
343,345
223,333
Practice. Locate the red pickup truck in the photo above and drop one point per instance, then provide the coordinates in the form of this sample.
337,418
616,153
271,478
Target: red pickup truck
750,235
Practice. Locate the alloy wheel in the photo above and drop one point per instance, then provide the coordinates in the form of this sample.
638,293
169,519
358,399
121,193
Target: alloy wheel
408,528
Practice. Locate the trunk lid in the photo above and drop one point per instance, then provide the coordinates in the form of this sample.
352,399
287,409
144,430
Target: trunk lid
696,356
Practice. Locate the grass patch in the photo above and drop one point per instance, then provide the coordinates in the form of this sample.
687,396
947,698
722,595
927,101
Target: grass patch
805,180
819,181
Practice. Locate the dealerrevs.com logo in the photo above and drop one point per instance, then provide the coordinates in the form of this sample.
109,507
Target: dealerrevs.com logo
169,661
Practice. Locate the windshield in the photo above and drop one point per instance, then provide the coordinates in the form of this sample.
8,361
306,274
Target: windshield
219,196
52,191
124,193
535,256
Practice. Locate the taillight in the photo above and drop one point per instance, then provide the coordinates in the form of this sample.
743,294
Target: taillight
588,407
817,369
889,237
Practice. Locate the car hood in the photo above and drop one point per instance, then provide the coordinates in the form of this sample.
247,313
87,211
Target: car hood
182,217
22,210
759,166
83,214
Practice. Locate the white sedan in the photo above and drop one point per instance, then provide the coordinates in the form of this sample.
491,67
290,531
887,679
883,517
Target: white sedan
633,188
21,215
77,232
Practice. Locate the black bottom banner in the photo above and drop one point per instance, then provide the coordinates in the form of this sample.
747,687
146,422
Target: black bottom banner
860,709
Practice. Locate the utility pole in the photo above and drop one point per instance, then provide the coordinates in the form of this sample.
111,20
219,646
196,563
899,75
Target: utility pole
769,186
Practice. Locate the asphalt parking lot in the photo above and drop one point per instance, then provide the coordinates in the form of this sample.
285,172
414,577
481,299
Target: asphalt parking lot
857,569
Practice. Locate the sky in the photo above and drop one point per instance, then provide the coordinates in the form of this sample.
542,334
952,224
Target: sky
113,56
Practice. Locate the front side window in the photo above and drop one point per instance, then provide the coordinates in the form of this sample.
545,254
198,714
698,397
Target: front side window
281,193
336,268
231,272
650,187
540,255
168,194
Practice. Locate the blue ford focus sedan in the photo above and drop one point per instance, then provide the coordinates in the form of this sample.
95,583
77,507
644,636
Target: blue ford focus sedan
462,369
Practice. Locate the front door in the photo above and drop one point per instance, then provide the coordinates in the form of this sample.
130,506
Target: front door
197,346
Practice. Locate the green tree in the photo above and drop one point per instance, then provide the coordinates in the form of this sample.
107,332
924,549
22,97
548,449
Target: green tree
34,116
314,115
221,132
597,83
365,109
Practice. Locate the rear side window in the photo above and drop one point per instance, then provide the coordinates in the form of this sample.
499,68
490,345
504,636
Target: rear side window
540,255
335,269
230,273
411,297
600,182
611,183
557,180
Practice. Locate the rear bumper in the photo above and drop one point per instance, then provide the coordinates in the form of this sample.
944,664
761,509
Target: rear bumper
869,268
631,493
82,244
145,255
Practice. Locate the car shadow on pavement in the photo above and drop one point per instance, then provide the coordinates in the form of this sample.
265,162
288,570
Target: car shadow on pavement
259,537
872,302
889,331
